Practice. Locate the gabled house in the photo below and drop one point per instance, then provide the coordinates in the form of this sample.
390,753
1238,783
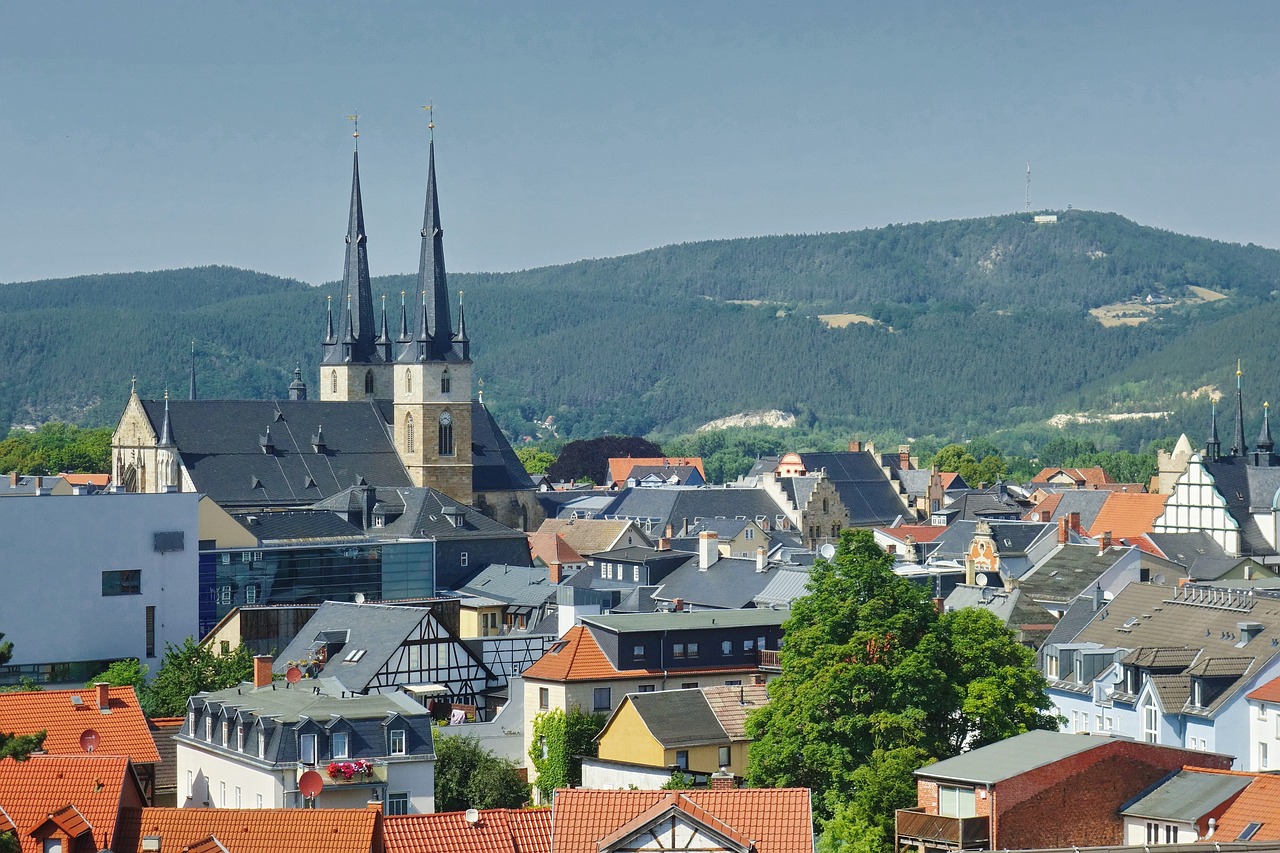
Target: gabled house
1072,478
102,720
1184,807
380,648
1036,790
699,732
551,550
1254,815
1202,558
67,803
174,830
748,820
1167,665
708,580
251,747
631,471
502,600
593,535
1073,569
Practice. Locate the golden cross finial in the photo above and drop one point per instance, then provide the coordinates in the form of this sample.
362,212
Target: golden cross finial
354,118
1238,373
166,394
431,123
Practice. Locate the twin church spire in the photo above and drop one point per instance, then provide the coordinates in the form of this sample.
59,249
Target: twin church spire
359,338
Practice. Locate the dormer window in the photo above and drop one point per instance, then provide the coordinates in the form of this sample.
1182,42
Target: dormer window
1197,692
1051,666
1129,680
225,740
240,737
208,729
396,742
339,743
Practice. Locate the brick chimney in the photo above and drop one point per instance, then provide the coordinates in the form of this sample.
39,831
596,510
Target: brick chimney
104,696
677,605
708,549
761,562
721,780
262,670
1075,522
555,571
1063,535
13,479
1104,542
855,446
904,457
1045,515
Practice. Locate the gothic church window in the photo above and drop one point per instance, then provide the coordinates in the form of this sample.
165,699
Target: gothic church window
408,433
446,434
445,382
333,381
408,381
368,382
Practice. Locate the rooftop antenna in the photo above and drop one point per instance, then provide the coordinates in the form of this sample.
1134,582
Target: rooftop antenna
1028,202
354,118
431,123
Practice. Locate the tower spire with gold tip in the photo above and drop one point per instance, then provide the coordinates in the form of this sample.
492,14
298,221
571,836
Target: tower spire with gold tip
1238,447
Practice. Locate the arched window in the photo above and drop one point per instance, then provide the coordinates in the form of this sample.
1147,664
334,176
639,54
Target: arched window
333,381
408,433
446,434
444,381
368,382
408,381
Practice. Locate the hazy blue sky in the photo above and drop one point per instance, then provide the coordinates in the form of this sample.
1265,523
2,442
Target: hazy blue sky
142,136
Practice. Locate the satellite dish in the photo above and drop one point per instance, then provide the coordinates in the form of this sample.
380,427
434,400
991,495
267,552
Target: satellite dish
827,551
310,784
293,675
89,740
980,580
473,816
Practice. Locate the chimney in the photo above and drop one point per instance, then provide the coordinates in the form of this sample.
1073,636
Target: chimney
760,559
708,549
262,670
1063,535
555,571
757,679
1099,597
39,483
904,457
104,696
1104,543
855,446
677,605
374,806
664,544
1075,522
721,780
13,479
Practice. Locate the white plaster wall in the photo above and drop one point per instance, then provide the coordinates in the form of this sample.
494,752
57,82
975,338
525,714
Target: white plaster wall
208,769
416,777
614,777
55,551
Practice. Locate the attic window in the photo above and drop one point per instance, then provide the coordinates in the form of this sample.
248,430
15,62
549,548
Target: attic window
1249,831
556,648
354,656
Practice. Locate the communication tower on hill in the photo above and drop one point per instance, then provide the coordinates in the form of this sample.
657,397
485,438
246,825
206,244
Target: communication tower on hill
1028,201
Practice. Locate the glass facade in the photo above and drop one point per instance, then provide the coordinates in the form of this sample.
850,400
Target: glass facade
381,571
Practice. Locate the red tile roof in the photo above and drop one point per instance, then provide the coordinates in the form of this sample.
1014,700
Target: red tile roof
551,548
1087,476
577,657
778,820
1049,505
1258,803
1269,692
122,731
1127,515
921,532
101,480
253,830
42,788
620,467
497,831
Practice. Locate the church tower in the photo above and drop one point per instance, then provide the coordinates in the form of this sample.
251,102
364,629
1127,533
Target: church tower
356,360
432,386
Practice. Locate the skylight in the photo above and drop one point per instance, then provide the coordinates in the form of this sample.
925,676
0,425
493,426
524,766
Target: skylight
1249,831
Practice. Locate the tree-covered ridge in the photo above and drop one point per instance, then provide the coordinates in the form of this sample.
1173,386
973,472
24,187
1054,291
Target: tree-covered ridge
984,328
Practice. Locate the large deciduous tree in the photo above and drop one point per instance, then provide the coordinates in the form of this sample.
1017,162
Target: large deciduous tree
469,776
188,669
874,684
588,459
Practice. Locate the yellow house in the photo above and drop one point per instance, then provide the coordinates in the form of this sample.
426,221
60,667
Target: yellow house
698,731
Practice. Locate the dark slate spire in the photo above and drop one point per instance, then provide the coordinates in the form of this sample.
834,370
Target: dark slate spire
383,343
431,274
359,293
1237,441
404,337
193,370
1213,447
422,341
350,343
166,435
461,338
1265,444
329,337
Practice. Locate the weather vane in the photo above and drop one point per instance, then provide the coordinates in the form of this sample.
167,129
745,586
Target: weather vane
354,118
431,120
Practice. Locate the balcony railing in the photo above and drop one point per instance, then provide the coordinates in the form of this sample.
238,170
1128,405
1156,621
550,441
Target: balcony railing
958,833
771,659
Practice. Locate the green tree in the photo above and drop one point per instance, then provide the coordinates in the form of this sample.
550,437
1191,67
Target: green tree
470,776
188,669
875,683
16,746
952,458
534,459
588,459
122,673
560,740
679,781
1057,452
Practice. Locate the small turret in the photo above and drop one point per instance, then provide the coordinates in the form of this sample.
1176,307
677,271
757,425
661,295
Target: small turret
297,388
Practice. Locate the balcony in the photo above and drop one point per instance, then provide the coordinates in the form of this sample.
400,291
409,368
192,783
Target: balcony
376,774
771,660
914,826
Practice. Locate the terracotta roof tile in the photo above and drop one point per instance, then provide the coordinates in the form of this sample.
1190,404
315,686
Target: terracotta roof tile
1258,803
551,548
1049,505
920,532
1087,476
589,535
732,704
778,820
1127,515
1269,692
620,467
497,831
123,731
34,791
252,830
577,657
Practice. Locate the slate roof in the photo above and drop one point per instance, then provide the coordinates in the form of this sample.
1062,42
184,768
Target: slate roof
867,494
708,716
252,830
676,475
684,507
1012,607
1203,557
123,731
783,587
424,516
286,706
218,441
1245,488
1069,572
495,466
1011,757
729,583
518,586
288,525
1087,502
1189,795
32,790
497,831
686,620
777,820
1019,536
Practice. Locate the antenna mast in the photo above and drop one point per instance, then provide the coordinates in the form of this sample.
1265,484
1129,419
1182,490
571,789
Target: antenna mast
1028,202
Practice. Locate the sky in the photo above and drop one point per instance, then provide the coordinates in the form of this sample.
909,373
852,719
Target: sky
153,135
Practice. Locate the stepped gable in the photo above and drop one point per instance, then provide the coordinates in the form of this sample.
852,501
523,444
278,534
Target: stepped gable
220,444
252,830
496,831
868,496
1246,488
66,714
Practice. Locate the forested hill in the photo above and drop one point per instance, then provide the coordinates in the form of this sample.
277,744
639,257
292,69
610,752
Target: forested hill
980,325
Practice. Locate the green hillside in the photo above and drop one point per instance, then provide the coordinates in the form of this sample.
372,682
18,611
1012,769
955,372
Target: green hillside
982,325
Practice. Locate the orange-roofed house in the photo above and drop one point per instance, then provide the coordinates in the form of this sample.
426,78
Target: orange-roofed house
1072,478
101,720
763,820
1127,515
66,803
489,831
1264,726
1254,815
551,550
595,664
687,469
177,830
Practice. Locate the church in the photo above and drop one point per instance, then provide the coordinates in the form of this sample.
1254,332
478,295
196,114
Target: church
394,411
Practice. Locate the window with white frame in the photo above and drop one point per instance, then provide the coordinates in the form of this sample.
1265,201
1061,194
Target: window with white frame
258,803
222,794
397,742
955,801
338,742
1150,722
398,803
1262,755
226,741
307,749
208,728
191,784
238,801
1262,710
240,737
262,741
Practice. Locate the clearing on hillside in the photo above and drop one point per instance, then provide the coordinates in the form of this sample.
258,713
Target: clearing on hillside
839,321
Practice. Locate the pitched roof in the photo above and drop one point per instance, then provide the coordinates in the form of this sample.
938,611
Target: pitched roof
550,547
518,586
678,718
620,467
591,535
34,790
918,532
497,831
1258,803
122,729
684,507
1127,515
777,820
731,704
281,525
494,465
1269,692
730,583
252,830
1188,795
1070,571
1246,487
867,494
1086,476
